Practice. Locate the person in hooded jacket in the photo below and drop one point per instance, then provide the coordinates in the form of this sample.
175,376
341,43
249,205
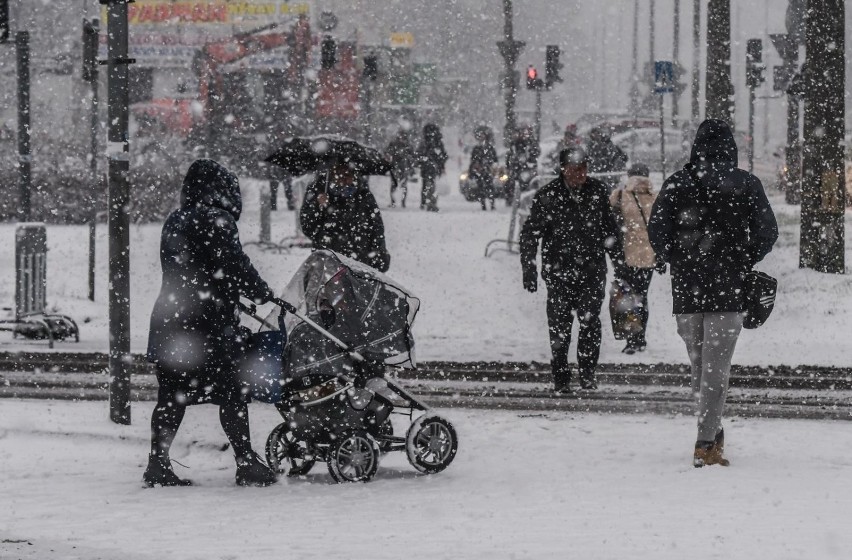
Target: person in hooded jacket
401,155
483,161
712,223
432,159
195,338
572,220
605,157
632,206
341,214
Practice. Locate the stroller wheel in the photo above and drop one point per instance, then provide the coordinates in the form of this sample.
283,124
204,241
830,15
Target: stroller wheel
431,444
353,457
284,451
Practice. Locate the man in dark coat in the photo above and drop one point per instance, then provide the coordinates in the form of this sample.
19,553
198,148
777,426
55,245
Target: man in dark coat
572,219
340,213
712,223
194,337
401,155
432,159
605,157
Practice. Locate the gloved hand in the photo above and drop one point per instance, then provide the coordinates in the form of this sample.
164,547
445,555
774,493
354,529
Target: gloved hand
660,266
531,279
619,269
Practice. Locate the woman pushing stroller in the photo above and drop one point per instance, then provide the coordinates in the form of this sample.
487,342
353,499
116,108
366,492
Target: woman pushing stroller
195,336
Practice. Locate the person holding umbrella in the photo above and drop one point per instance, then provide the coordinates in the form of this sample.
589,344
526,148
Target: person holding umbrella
341,214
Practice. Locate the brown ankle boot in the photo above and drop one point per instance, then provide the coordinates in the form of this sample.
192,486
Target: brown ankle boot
708,453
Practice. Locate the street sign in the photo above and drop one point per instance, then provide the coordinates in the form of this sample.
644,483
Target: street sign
663,76
786,48
327,21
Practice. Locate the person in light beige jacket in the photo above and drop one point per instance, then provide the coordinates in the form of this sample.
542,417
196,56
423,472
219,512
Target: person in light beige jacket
632,206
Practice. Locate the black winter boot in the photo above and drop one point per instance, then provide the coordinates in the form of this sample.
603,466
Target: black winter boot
160,473
251,471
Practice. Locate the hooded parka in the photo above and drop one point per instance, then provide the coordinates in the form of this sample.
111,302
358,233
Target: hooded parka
349,224
194,331
712,222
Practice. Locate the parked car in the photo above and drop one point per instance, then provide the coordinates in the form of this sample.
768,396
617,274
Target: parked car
643,146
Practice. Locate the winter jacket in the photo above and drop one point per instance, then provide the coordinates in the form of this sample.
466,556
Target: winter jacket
194,323
351,226
712,222
576,228
401,155
483,158
634,204
432,157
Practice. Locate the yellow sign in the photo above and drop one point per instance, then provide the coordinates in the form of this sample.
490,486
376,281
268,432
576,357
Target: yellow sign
165,12
402,40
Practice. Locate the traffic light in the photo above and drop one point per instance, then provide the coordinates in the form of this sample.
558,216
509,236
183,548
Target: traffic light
532,77
552,66
754,63
328,54
4,21
371,67
90,50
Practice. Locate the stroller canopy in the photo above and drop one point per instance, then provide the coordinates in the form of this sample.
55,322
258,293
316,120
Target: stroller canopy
365,309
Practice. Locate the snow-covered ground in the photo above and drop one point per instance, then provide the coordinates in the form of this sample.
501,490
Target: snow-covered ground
473,308
532,486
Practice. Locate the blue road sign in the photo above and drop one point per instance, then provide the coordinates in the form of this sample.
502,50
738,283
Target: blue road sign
663,76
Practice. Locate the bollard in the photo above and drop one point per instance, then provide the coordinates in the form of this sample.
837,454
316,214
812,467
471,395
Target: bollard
265,207
273,195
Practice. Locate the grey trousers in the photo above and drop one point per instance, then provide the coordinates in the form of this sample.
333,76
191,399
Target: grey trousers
710,341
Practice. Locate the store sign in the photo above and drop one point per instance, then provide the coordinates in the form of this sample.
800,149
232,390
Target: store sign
402,40
165,12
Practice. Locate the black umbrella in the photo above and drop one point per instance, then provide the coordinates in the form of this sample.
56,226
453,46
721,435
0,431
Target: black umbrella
308,154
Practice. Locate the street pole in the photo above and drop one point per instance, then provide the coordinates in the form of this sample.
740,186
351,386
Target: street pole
118,154
93,162
537,117
662,137
751,100
696,66
651,36
821,244
509,49
720,89
22,51
676,60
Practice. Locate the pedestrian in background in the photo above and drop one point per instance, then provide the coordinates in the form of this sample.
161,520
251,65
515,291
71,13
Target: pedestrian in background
712,223
605,158
432,159
195,338
572,219
402,157
632,206
483,162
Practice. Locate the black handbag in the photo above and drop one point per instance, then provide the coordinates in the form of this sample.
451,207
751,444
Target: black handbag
761,289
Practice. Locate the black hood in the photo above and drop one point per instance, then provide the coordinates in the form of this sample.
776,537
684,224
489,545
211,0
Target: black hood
208,183
714,144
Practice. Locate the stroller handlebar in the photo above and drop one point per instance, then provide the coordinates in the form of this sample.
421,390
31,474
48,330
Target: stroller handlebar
288,307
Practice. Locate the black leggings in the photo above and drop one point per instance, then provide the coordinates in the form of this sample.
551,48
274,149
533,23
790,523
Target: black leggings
169,413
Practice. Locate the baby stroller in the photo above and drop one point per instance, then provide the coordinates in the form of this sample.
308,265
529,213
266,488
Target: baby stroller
324,368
